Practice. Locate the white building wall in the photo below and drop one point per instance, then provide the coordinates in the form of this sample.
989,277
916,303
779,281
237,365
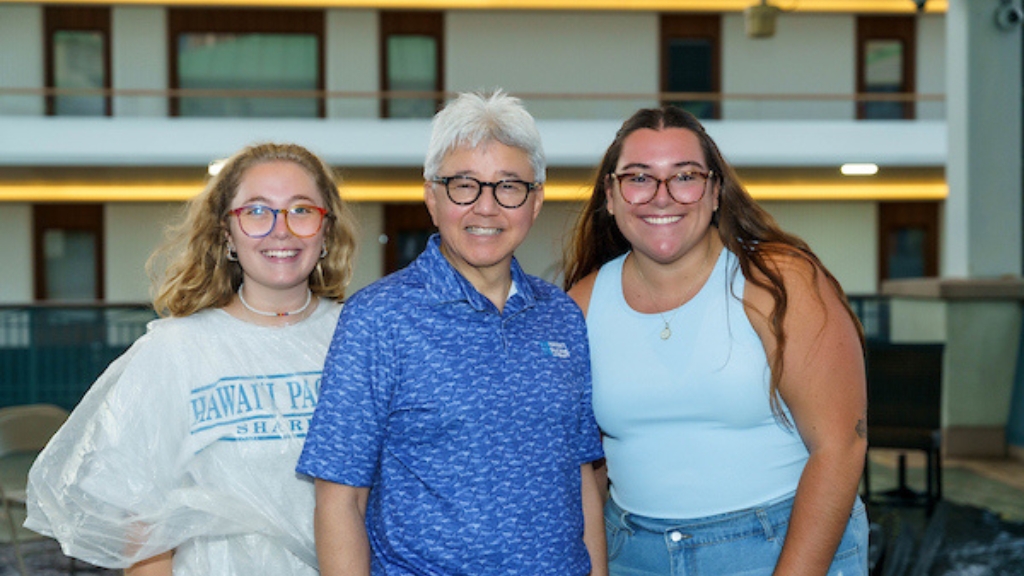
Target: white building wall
541,252
21,58
369,264
132,231
16,257
555,52
352,61
809,54
931,64
139,59
523,52
844,235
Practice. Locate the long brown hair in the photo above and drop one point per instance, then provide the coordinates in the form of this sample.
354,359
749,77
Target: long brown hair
191,272
745,228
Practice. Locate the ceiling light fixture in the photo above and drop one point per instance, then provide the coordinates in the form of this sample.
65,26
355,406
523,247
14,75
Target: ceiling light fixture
859,169
760,20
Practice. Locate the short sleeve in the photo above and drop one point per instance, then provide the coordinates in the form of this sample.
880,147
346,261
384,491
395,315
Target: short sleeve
347,431
589,447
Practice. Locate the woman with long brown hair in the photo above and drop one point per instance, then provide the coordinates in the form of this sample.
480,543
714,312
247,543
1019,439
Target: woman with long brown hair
728,369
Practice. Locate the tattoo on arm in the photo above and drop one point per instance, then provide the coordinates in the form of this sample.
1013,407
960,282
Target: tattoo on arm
862,428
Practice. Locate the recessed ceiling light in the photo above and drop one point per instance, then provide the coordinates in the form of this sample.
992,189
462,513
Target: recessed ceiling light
863,169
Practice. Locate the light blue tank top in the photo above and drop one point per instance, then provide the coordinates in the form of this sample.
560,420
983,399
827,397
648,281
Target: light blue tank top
689,428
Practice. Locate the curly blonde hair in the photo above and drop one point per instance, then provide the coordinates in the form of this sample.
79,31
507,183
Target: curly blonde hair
190,270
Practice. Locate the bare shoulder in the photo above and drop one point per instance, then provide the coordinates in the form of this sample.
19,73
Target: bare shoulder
801,275
809,294
581,291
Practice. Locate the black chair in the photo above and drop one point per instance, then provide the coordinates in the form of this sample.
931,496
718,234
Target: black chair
904,413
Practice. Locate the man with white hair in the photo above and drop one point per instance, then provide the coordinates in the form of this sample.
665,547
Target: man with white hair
454,433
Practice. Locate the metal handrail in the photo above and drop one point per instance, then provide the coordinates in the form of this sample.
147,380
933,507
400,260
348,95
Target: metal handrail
443,95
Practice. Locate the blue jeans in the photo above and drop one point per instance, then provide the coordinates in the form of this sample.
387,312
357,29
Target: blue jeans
746,542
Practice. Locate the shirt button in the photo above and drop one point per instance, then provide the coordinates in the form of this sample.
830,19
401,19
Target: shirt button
676,536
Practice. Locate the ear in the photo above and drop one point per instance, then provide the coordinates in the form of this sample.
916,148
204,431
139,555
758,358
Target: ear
430,199
538,200
609,197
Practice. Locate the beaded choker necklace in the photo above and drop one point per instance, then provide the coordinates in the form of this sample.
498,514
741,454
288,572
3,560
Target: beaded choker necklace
309,298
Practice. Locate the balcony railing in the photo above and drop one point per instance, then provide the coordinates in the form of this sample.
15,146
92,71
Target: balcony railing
20,101
53,354
873,312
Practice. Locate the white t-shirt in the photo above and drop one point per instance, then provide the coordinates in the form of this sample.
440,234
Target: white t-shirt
188,442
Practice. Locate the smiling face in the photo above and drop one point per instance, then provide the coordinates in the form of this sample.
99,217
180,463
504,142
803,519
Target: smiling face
276,266
662,229
479,239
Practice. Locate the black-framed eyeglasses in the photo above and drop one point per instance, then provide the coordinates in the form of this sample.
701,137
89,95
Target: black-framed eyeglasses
465,190
302,220
686,187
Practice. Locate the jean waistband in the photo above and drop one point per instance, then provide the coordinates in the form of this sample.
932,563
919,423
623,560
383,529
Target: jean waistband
772,513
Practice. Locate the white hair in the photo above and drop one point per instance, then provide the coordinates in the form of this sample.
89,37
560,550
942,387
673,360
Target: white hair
473,119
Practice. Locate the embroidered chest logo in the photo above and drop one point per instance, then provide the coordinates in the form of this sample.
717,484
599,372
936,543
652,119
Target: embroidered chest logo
556,349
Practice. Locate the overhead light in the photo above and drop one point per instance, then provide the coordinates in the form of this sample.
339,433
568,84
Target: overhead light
760,20
859,169
214,167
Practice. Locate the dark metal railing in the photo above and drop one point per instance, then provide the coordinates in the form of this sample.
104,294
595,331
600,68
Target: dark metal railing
52,354
873,311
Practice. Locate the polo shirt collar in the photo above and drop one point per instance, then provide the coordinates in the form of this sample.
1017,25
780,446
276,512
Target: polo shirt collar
445,284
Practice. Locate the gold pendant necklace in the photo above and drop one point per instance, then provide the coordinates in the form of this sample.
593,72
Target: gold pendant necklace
666,331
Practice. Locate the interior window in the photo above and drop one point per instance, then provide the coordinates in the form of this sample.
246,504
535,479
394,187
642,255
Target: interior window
908,244
412,44
407,227
885,65
690,60
257,62
78,57
273,57
68,252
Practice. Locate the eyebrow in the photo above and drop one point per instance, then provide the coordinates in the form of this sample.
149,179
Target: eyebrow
645,167
503,174
298,198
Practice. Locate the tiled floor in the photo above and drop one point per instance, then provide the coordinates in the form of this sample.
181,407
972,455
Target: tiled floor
992,484
978,529
995,485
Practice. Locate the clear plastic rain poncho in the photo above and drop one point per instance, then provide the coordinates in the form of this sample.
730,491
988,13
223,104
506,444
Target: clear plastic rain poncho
189,442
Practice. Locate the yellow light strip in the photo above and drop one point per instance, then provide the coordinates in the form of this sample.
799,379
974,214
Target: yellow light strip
855,6
413,192
72,192
860,191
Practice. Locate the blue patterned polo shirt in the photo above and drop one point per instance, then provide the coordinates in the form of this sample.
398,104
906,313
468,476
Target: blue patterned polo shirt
468,424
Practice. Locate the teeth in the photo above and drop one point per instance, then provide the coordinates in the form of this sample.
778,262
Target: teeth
280,253
662,219
482,231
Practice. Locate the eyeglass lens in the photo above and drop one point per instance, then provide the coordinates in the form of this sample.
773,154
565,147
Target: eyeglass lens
685,187
465,190
257,220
